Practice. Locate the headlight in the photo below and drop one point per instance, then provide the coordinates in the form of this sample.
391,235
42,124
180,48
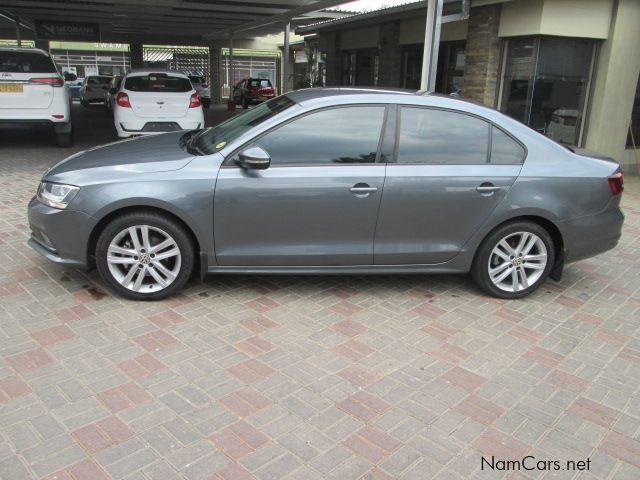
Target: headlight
56,195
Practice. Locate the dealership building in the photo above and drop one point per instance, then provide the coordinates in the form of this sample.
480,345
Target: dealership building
567,68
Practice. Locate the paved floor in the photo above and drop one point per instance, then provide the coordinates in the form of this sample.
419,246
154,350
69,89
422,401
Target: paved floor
309,377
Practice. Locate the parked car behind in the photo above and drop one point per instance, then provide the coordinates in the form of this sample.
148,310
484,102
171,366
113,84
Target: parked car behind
74,87
109,97
252,91
202,88
93,89
151,101
33,92
332,181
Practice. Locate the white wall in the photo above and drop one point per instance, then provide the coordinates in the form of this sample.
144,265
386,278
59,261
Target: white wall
564,18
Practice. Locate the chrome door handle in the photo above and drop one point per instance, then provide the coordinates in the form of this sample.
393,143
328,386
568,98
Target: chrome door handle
363,189
487,189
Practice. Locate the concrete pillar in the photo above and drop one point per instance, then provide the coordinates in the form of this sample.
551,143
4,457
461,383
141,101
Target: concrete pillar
330,44
135,50
286,66
42,44
616,77
231,80
481,71
390,55
215,72
18,37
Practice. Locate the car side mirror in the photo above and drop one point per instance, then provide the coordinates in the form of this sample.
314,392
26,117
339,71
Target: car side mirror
70,77
254,158
113,91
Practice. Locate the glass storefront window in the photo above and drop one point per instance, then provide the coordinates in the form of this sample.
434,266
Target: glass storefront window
545,84
633,137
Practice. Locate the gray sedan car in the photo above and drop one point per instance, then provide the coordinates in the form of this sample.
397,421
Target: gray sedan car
332,181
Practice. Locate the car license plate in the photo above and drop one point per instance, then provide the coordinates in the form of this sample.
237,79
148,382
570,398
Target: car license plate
10,88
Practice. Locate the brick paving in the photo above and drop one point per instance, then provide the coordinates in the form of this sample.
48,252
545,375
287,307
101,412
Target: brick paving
256,377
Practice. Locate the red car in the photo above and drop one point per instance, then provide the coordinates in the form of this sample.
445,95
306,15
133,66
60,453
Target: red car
253,90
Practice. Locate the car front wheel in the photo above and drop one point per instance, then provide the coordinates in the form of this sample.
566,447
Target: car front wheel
144,256
514,260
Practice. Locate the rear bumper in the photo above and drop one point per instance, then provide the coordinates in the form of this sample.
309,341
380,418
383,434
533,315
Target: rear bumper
62,236
593,234
127,129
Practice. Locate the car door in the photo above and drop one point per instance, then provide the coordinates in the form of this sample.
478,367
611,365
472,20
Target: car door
317,203
451,170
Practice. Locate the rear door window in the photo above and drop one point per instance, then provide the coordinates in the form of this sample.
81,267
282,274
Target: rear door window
431,136
157,82
26,62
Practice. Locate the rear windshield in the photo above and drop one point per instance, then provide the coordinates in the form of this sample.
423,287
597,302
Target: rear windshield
157,82
98,80
26,62
259,83
196,79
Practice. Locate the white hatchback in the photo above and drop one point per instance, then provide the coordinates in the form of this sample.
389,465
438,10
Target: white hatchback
151,102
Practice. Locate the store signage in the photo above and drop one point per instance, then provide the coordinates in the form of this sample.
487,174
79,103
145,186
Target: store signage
50,30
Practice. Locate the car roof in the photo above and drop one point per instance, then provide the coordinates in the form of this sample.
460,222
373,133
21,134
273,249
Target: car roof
24,50
343,95
317,93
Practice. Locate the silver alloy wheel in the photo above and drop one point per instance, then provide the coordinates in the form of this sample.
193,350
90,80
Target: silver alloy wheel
517,261
144,259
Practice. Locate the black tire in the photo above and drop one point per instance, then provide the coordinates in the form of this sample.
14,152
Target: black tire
152,219
245,103
480,268
64,139
84,104
206,103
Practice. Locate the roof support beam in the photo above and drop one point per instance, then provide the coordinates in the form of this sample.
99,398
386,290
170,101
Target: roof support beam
431,45
284,17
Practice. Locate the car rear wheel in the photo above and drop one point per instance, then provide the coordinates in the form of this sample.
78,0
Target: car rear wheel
514,260
144,256
245,102
206,103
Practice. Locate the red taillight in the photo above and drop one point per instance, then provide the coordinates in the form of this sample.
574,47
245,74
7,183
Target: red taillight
57,115
204,85
194,101
53,81
616,183
122,99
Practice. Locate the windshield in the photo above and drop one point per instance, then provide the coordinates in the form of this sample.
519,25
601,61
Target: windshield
259,83
214,139
98,80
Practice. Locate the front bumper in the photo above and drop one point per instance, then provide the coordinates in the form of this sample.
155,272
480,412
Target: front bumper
62,236
592,234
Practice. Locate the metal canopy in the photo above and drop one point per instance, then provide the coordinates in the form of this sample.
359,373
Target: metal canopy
122,20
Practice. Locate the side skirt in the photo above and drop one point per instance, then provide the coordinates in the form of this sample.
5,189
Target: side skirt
337,270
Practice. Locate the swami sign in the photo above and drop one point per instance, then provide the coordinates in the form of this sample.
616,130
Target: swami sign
49,30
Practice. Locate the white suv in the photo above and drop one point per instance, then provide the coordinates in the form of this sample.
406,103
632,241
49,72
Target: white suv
152,101
32,92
